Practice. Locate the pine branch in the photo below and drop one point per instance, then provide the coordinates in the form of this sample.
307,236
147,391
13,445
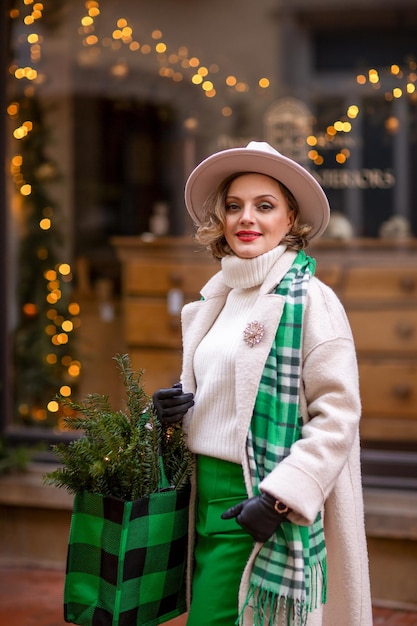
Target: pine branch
119,453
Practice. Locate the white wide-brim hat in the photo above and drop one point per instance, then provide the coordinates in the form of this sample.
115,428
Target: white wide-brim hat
260,158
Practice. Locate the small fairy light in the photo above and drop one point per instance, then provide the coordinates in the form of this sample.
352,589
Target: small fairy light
264,83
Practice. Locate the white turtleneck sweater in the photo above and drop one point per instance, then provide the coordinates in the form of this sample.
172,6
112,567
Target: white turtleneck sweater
214,421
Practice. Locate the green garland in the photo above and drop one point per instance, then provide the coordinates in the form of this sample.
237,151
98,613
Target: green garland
119,453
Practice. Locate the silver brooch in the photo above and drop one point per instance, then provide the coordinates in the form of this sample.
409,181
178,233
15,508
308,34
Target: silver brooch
253,333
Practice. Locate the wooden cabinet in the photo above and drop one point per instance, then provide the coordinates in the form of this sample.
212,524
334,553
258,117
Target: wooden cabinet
158,277
376,281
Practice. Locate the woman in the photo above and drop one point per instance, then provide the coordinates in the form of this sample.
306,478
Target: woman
271,404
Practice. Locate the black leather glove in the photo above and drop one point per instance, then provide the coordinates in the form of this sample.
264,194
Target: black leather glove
172,404
257,516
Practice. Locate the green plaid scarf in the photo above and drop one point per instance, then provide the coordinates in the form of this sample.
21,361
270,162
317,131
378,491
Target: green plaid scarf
290,568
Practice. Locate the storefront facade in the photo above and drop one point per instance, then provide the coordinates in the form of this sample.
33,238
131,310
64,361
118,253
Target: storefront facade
109,107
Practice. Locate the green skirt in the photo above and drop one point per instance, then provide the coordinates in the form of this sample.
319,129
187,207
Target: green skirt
222,546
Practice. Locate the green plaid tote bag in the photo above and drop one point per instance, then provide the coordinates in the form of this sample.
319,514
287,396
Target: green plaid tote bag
126,560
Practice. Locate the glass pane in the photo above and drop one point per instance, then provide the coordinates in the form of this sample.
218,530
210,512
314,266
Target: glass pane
111,105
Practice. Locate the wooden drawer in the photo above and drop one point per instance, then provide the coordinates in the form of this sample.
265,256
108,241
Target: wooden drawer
148,323
380,283
389,389
153,278
161,368
384,331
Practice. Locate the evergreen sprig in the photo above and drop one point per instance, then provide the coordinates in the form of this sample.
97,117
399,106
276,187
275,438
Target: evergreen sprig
120,454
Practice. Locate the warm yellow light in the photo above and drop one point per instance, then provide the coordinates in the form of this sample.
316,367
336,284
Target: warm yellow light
312,154
33,38
26,190
397,92
264,83
51,358
52,298
121,23
127,32
74,368
64,269
361,79
67,326
117,34
210,93
311,140
203,71
91,40
373,76
50,275
319,160
65,391
20,132
353,111
331,130
160,48
28,20
50,330
31,74
53,406
13,109
340,158
59,339
45,223
194,62
411,88
207,85
74,308
93,12
395,69
197,79
87,20
156,34
231,81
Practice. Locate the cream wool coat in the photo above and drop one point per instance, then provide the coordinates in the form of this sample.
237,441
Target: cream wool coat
322,471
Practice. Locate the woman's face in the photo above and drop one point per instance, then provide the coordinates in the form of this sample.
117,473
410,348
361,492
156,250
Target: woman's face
257,215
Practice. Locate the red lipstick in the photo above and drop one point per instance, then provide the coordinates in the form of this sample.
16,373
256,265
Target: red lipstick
247,235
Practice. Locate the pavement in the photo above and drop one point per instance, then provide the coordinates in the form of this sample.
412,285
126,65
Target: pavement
33,597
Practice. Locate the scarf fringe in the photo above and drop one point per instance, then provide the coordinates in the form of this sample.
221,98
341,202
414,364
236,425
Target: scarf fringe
275,609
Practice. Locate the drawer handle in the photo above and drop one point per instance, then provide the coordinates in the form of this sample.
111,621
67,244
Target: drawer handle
407,284
404,330
402,391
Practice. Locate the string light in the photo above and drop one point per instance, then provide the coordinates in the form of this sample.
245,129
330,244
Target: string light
58,326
